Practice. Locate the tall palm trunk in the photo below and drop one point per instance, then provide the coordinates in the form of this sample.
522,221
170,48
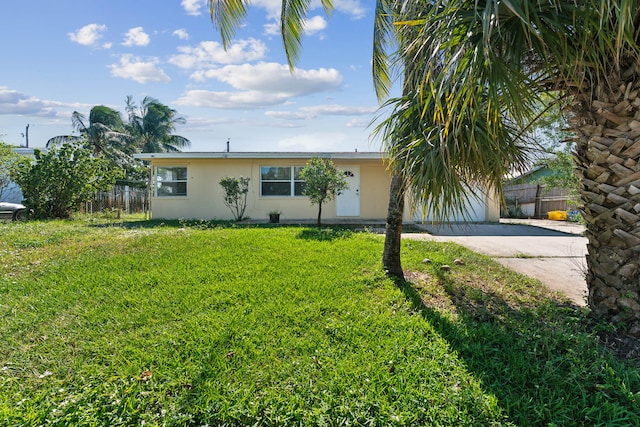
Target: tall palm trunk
391,261
607,126
393,229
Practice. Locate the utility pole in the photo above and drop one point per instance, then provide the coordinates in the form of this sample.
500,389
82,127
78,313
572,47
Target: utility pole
26,135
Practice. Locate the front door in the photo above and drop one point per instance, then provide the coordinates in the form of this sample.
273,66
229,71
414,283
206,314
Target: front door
348,202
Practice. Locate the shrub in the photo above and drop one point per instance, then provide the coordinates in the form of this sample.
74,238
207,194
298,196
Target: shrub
60,180
235,195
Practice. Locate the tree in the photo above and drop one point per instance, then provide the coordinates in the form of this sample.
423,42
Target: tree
322,182
563,168
60,180
557,153
104,134
480,68
152,126
9,160
499,59
235,195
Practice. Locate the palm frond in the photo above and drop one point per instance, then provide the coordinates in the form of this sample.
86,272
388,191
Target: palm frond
443,168
292,20
177,143
228,16
62,139
384,42
152,125
77,122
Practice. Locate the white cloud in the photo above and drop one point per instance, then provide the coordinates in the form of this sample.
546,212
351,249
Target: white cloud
273,7
229,100
274,78
340,110
136,37
319,141
206,123
287,115
261,85
208,54
192,7
306,113
14,102
358,123
272,29
88,35
181,34
351,7
314,25
133,68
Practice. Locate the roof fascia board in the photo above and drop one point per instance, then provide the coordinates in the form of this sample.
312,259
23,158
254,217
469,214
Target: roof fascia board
263,155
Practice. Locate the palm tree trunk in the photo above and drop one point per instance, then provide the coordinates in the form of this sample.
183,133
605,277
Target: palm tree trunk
393,232
607,126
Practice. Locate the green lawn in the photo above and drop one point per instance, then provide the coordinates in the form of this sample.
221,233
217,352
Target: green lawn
208,324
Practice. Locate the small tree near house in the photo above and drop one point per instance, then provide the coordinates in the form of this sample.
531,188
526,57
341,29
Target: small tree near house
235,195
322,182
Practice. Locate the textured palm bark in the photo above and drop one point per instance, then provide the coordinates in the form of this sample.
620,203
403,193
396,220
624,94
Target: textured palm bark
393,231
607,127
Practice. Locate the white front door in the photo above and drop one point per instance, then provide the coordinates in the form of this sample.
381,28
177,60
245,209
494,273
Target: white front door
348,202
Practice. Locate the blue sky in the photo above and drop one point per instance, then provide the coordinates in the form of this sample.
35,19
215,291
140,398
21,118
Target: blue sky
69,55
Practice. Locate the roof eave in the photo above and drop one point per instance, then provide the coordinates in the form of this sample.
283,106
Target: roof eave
263,155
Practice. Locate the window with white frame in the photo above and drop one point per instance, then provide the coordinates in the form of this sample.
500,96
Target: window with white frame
281,181
171,181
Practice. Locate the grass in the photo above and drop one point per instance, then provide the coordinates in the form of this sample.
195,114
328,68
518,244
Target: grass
194,323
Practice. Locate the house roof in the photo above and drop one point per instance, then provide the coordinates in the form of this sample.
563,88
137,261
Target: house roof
531,176
369,155
28,151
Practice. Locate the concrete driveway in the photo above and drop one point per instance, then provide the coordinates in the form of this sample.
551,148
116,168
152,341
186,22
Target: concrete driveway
551,251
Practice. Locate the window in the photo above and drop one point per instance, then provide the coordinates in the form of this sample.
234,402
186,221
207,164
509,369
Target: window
171,181
281,181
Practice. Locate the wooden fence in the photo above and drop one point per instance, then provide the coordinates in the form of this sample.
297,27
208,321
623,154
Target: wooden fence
533,200
127,199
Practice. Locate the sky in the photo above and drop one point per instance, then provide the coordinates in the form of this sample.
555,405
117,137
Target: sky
62,56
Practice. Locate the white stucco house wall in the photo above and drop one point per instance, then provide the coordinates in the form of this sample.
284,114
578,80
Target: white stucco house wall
186,185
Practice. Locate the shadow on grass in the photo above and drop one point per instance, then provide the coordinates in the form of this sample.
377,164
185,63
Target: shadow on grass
537,357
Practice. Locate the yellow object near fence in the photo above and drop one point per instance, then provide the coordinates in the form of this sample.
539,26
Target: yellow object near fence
557,215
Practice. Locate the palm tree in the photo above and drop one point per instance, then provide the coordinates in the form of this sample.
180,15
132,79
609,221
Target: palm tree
429,159
478,70
104,133
483,67
152,126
